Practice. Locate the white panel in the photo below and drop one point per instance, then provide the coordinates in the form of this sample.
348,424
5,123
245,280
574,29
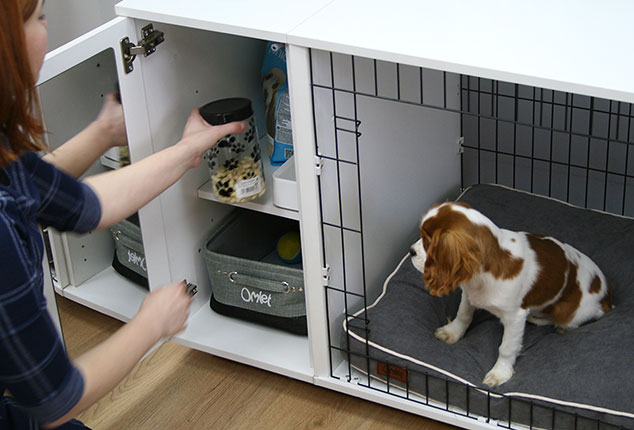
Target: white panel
252,18
249,343
310,220
88,254
582,50
77,75
109,293
400,180
71,101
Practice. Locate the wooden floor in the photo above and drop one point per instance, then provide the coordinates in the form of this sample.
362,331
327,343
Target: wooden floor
179,388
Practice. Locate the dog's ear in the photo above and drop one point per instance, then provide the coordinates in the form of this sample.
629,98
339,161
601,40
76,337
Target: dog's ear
453,257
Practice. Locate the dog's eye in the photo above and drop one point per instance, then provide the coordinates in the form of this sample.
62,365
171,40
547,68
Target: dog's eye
425,244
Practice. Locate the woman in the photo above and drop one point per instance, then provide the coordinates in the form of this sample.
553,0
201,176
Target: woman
44,388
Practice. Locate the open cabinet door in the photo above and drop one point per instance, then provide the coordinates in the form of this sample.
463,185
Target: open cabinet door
73,83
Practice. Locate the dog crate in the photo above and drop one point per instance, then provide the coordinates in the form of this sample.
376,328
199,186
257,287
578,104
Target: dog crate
393,139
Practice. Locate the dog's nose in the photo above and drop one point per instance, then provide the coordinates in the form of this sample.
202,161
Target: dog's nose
412,251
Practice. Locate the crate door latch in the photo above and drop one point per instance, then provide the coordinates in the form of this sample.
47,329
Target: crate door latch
150,38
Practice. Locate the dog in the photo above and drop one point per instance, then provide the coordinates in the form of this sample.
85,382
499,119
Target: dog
516,276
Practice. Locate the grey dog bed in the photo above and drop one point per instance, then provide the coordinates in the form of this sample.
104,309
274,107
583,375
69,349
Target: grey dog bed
581,379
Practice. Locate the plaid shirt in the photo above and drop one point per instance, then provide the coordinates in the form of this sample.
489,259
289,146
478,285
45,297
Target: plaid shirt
34,367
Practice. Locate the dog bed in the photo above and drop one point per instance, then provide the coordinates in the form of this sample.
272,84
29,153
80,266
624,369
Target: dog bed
580,379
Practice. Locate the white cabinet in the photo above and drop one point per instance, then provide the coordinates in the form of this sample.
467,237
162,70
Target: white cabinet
189,69
380,164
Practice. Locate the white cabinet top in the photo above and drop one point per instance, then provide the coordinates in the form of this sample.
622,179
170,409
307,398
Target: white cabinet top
268,20
581,46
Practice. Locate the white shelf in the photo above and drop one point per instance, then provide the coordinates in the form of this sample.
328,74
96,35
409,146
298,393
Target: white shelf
109,162
248,343
263,203
109,293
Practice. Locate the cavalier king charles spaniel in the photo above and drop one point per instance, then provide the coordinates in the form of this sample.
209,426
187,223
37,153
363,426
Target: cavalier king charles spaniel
516,276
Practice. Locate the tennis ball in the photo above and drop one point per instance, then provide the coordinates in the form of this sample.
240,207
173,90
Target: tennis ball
289,248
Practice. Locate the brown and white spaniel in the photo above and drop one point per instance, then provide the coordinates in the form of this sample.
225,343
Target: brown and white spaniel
516,276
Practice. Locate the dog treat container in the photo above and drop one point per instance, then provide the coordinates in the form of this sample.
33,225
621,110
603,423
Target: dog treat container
235,164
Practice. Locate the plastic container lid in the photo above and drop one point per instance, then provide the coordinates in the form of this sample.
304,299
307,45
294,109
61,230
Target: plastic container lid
226,110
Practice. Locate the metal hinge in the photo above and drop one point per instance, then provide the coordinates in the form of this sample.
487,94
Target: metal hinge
150,38
460,145
325,275
319,164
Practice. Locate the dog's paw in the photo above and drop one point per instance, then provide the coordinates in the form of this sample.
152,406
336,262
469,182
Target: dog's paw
498,375
538,321
447,334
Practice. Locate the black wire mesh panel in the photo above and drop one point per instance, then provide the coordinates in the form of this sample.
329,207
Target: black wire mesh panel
567,146
471,131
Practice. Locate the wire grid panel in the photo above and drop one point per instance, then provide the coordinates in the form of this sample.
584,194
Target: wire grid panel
567,146
387,136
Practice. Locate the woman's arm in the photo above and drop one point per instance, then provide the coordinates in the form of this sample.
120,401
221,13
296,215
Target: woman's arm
79,153
163,313
123,191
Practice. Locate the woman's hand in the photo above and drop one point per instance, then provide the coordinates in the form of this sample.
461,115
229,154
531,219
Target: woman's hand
123,191
167,308
199,135
112,122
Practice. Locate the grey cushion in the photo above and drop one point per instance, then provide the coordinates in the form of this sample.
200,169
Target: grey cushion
587,371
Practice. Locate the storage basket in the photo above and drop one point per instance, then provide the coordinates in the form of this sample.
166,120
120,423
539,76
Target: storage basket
129,256
248,278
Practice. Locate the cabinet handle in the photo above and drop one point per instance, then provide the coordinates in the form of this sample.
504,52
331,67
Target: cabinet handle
263,284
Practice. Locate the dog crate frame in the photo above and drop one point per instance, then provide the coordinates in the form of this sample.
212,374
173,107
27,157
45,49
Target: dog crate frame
563,145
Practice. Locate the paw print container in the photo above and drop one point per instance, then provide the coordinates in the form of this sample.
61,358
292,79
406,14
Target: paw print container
235,164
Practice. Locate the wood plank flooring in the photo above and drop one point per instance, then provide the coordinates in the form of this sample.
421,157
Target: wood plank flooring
180,388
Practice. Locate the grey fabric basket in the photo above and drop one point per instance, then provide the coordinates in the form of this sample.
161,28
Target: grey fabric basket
248,279
129,256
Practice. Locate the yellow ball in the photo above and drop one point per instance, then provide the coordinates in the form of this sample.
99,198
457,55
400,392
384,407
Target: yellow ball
289,248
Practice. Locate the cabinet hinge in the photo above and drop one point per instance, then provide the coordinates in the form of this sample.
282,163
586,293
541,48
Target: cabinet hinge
325,275
319,164
150,38
460,145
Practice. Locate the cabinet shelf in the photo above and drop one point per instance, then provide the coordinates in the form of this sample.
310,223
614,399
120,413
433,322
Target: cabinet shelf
248,343
109,293
261,204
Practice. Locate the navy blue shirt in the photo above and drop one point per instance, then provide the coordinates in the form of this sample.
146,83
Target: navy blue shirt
43,384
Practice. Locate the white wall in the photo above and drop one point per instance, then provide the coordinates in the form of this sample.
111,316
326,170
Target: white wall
68,19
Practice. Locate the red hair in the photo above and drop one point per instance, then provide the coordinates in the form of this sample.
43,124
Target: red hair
20,120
